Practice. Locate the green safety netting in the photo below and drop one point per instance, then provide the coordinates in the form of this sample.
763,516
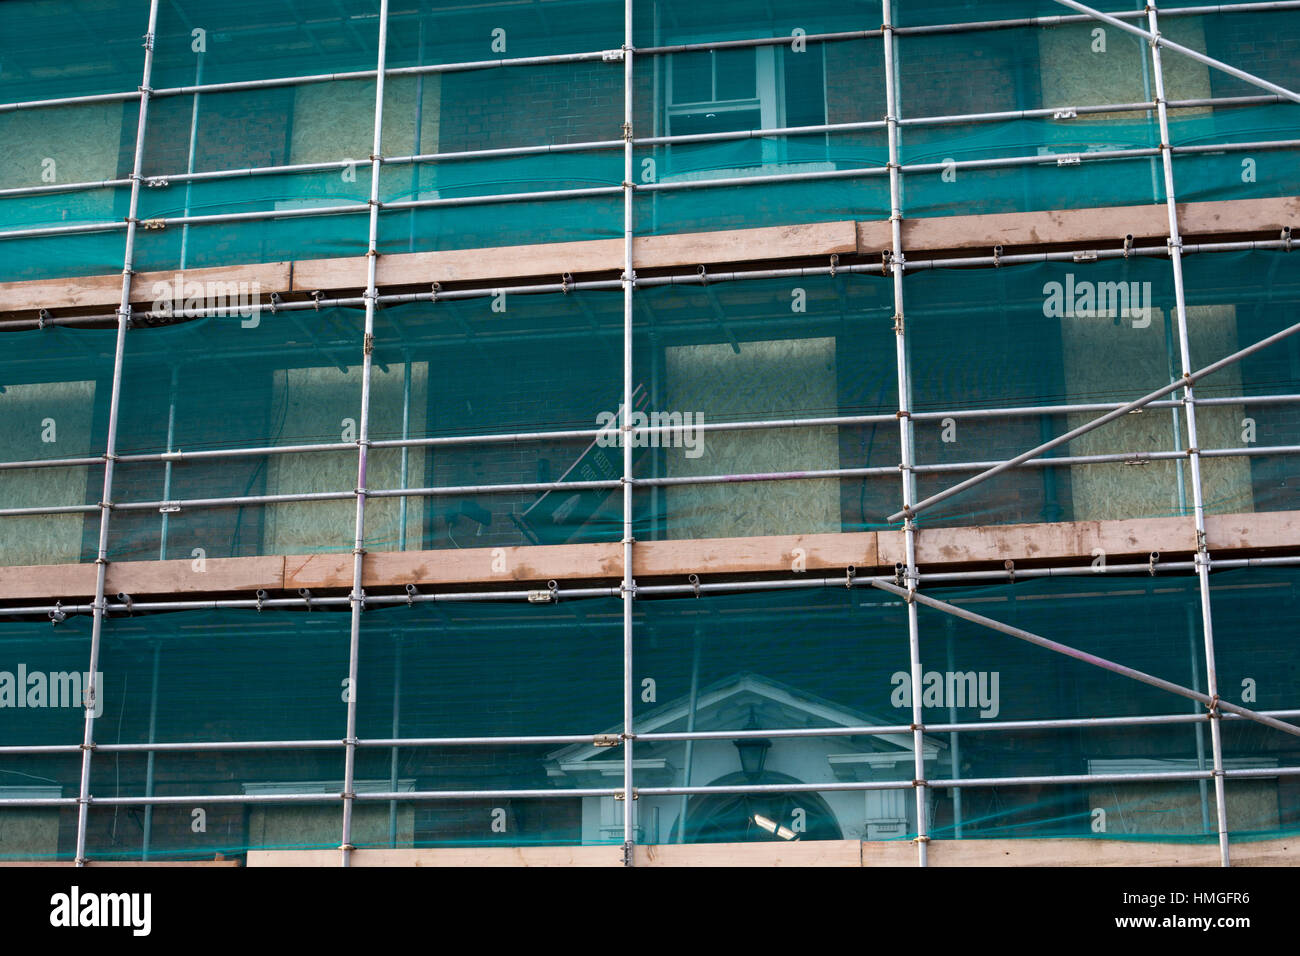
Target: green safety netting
1072,338
716,663
676,93
54,404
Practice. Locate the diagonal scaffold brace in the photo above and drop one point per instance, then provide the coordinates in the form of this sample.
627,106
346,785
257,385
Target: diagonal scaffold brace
1179,48
1110,416
1214,703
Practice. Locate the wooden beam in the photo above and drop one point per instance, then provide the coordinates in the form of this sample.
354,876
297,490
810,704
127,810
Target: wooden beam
1103,225
1056,541
1019,852
122,863
795,552
447,856
868,552
86,292
598,255
457,566
752,247
138,578
810,853
1081,852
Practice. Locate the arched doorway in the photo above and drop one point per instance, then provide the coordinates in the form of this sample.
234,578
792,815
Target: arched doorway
757,817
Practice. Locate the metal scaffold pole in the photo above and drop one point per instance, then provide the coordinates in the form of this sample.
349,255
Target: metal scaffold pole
93,691
628,587
1202,557
896,268
357,598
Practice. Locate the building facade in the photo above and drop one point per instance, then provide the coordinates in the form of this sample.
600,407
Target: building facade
854,433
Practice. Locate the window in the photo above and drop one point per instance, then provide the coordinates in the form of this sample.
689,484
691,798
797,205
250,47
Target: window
767,87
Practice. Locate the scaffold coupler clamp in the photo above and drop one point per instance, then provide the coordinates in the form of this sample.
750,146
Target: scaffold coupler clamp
261,597
275,302
125,598
1174,243
58,615
694,580
849,572
900,574
703,273
566,282
1128,245
305,594
317,297
1286,238
411,592
41,317
997,256
627,853
434,290
835,261
1010,567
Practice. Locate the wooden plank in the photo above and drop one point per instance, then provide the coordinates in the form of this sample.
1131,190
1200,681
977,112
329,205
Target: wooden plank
317,571
457,566
869,552
598,255
447,856
811,853
1103,225
1021,852
106,290
797,552
1278,529
47,581
1080,852
1058,540
740,245
139,578
98,863
187,576
474,565
460,265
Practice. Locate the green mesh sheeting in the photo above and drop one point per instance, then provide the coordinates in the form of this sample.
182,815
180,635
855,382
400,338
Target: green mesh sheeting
677,21
54,404
445,369
1060,67
717,663
99,45
1078,337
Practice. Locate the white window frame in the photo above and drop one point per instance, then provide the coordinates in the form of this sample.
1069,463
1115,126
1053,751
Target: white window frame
769,99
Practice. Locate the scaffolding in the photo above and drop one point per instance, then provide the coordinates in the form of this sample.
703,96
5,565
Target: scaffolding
723,307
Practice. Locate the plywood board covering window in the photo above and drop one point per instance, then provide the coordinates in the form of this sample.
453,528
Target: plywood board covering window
763,379
30,416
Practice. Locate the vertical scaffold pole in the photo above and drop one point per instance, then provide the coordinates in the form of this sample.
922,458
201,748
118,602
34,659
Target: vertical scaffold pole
93,690
1202,559
357,598
896,267
628,587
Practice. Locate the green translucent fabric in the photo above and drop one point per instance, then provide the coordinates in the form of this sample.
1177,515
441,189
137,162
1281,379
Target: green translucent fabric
716,663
